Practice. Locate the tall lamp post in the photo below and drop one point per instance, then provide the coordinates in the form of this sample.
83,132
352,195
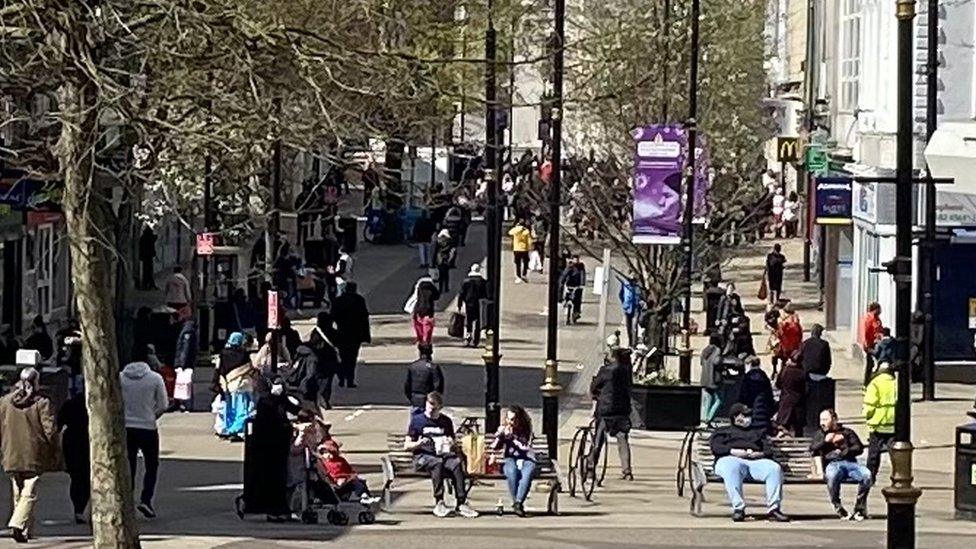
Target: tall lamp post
901,496
491,355
550,388
684,370
927,250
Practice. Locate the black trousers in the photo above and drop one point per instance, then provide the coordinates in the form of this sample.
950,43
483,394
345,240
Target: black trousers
631,319
147,280
444,278
472,324
147,442
521,264
868,367
80,488
349,356
878,443
324,388
440,468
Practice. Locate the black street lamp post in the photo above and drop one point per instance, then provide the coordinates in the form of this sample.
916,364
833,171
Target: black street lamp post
492,356
927,249
684,370
901,496
550,388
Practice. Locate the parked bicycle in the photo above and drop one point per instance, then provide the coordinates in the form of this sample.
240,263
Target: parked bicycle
581,474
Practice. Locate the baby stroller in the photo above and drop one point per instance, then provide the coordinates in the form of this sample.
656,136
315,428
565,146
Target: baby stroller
320,493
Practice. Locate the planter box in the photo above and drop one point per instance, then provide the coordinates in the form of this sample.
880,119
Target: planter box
666,407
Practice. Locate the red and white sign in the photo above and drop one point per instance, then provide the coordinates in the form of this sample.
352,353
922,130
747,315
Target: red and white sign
205,244
273,323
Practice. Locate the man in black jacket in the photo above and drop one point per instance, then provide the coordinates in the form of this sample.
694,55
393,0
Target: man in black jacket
423,377
473,290
611,390
839,447
815,354
352,321
743,452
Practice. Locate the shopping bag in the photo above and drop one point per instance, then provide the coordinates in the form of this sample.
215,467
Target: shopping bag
411,303
763,294
456,328
473,447
535,261
306,282
183,390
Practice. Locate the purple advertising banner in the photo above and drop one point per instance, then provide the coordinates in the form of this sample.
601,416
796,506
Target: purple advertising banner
659,158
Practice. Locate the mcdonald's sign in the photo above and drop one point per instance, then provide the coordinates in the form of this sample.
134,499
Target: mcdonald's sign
788,149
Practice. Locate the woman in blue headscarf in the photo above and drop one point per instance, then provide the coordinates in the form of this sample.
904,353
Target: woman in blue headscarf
233,382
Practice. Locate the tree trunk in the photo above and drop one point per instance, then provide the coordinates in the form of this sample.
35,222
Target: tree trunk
91,236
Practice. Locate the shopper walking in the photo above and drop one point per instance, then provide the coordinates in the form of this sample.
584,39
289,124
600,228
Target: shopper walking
421,306
870,332
352,320
521,246
27,445
880,397
473,290
145,400
775,265
73,423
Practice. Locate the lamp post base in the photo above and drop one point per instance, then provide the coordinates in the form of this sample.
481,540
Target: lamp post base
901,497
550,390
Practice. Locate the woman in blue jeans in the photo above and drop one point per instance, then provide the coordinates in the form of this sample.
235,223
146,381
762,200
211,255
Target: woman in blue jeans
515,438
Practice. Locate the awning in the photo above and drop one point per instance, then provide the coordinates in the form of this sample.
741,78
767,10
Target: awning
952,153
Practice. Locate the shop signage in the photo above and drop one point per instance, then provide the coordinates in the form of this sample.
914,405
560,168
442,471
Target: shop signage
788,149
833,201
205,244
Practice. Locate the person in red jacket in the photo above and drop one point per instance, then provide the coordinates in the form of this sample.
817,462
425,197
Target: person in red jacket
869,333
348,485
790,335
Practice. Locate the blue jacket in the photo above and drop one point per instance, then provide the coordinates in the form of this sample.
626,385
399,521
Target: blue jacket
630,297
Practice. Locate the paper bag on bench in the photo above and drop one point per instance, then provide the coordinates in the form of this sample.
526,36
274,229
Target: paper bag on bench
473,446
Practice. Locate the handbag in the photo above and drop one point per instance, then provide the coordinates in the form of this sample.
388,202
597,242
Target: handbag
411,303
473,448
456,327
763,289
183,390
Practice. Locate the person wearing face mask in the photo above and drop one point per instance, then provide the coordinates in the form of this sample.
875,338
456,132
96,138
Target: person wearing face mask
743,453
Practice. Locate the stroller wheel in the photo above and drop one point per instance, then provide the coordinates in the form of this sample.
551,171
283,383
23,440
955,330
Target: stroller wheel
239,506
310,517
367,517
338,518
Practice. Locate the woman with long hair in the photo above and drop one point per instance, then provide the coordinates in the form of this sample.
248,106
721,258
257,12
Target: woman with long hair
514,437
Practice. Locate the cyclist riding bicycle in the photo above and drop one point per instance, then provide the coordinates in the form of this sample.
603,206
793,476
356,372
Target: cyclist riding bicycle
573,280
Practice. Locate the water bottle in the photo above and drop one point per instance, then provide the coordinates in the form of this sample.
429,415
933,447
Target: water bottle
500,507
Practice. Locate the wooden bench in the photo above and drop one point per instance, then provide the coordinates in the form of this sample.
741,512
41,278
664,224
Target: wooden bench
398,463
698,463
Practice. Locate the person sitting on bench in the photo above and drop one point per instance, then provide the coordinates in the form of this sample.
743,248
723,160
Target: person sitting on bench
431,438
839,447
743,453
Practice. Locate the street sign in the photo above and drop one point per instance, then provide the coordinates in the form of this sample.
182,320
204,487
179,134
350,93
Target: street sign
205,244
834,200
273,323
816,160
787,149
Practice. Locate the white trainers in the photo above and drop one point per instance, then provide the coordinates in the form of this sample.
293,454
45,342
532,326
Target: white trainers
466,511
441,510
367,499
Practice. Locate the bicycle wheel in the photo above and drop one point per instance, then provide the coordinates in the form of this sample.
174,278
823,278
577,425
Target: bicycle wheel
587,471
582,465
571,474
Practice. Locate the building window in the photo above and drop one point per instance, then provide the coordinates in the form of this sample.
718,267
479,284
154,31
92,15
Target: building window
850,54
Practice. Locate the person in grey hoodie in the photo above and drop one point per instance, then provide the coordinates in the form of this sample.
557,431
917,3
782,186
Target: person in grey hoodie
144,396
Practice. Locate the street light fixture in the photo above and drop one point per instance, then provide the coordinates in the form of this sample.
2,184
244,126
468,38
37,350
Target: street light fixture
901,496
684,368
550,388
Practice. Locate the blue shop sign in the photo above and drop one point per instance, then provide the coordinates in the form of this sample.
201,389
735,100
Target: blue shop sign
833,200
21,193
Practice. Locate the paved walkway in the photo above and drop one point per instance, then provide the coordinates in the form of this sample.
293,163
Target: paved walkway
200,475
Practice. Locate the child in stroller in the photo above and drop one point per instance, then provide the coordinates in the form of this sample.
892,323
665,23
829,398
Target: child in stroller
332,483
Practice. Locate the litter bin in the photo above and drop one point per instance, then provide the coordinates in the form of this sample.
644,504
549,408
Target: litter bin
965,492
820,396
